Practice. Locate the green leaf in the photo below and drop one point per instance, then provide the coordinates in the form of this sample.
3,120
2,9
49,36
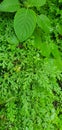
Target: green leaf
45,49
36,3
55,51
58,63
59,28
9,5
60,0
24,23
44,23
12,40
37,38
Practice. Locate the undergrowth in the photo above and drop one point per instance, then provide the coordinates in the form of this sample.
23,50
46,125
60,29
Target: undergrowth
30,77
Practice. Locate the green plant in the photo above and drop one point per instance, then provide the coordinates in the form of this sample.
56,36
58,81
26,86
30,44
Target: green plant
28,22
31,70
25,19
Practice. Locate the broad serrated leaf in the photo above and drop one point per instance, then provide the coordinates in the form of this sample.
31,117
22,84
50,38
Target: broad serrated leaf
36,3
24,23
9,5
44,23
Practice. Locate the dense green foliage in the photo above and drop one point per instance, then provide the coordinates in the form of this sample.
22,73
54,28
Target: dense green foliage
31,71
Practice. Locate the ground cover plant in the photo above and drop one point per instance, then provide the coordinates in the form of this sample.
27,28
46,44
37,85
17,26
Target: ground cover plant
30,65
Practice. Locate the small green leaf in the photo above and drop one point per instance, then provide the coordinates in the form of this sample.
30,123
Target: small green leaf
44,23
9,5
24,23
36,3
